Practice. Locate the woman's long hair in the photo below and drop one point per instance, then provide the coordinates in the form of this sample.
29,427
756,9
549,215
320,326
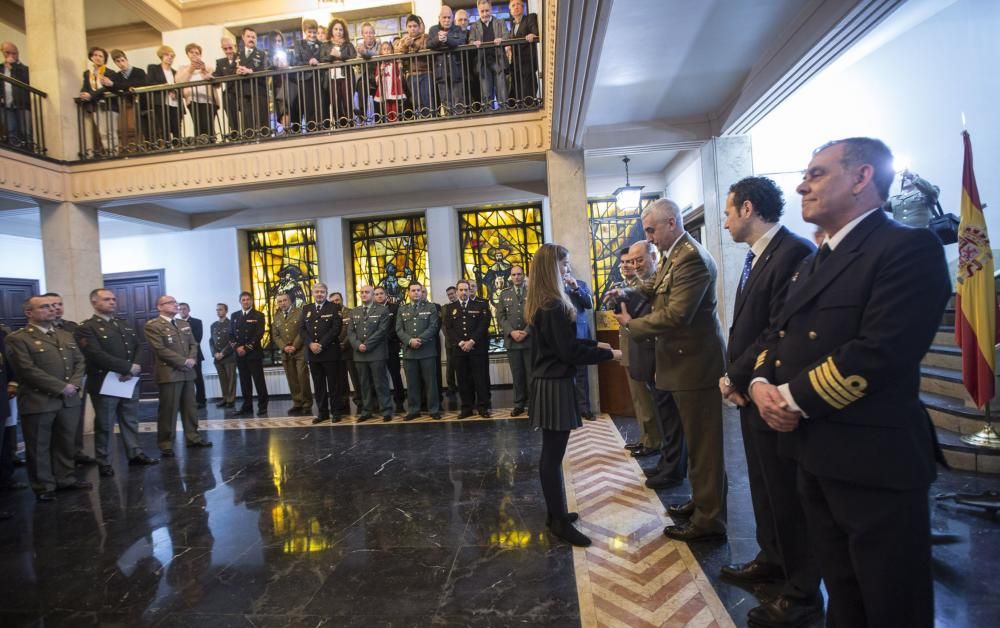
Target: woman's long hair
329,31
545,287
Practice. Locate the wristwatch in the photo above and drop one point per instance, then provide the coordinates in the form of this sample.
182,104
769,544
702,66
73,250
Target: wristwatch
726,380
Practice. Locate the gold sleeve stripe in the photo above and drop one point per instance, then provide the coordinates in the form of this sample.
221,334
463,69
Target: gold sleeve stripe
828,372
855,383
814,380
760,359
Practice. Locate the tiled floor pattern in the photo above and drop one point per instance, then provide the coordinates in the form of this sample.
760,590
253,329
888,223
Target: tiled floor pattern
632,575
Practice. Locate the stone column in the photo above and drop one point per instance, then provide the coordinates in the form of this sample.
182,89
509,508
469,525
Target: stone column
72,250
724,161
333,261
443,254
57,48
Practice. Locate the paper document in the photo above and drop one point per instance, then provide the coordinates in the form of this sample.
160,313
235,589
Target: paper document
113,387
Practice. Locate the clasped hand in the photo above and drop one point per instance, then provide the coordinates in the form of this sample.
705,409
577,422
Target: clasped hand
773,408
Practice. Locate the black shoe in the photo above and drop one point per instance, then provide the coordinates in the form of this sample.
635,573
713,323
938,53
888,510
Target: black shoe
222,404
632,446
386,418
242,414
589,416
363,418
320,419
753,571
570,516
786,611
436,415
485,414
464,414
643,452
105,470
142,459
295,412
201,444
518,411
231,404
82,459
46,496
79,485
688,533
663,481
167,453
564,530
261,411
336,418
411,416
681,511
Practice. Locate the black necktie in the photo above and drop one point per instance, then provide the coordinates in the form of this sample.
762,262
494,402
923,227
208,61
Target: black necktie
174,323
824,252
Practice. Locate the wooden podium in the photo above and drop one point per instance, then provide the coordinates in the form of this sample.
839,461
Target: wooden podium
614,390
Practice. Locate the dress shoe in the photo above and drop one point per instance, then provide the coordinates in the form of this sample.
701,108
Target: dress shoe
518,411
336,418
411,416
261,411
222,404
570,516
681,511
319,419
663,481
79,485
688,533
201,444
643,452
485,414
436,415
564,530
141,460
242,414
231,404
464,414
82,459
632,446
15,486
105,470
363,418
785,611
753,571
45,496
294,412
386,418
589,416
167,453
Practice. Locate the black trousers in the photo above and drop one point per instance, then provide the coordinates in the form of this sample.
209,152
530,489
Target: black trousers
330,387
673,450
874,550
199,384
395,366
473,380
252,374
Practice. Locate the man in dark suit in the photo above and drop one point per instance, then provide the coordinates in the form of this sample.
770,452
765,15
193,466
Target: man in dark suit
310,90
253,92
15,102
753,207
524,57
246,333
198,329
839,376
322,321
226,66
394,346
129,124
690,358
466,331
445,37
111,346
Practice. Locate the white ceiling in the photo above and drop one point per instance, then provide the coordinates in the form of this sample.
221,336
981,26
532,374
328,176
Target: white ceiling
640,163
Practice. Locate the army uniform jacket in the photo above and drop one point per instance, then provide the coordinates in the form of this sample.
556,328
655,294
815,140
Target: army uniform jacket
108,346
247,331
172,346
690,352
285,330
322,324
345,345
44,364
471,323
848,342
510,317
370,329
219,342
418,320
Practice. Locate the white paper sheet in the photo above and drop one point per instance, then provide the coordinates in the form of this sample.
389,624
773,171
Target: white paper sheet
114,387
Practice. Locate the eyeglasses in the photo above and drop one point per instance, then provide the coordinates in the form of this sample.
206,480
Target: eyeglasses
169,303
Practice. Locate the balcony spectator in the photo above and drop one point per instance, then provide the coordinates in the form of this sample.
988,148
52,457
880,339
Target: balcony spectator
366,82
470,67
339,49
322,35
389,93
226,66
165,112
417,67
15,124
129,123
444,37
279,60
524,57
492,60
253,101
200,99
310,95
101,105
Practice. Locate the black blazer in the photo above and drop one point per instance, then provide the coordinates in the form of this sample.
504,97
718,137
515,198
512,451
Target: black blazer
848,342
107,346
525,56
21,97
198,331
224,67
247,331
473,323
557,352
322,324
156,76
96,95
136,78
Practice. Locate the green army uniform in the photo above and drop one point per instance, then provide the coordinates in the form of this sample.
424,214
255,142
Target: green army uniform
284,332
420,320
173,343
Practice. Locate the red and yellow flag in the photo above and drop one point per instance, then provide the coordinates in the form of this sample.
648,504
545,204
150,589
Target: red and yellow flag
975,295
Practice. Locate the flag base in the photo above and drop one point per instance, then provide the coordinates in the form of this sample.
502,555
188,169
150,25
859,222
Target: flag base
986,438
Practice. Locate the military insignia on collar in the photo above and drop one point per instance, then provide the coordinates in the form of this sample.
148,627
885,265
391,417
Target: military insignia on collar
309,314
795,277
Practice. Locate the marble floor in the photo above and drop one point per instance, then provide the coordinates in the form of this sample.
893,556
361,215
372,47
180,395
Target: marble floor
398,524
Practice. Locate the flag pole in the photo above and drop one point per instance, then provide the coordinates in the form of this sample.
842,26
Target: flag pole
986,437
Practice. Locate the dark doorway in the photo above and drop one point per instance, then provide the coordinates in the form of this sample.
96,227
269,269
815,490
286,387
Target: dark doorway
13,293
137,293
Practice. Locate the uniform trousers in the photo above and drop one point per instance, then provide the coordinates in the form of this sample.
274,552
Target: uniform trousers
650,436
48,443
352,370
176,397
701,417
451,376
421,378
252,374
374,385
227,379
473,379
395,366
297,374
199,384
330,383
520,371
8,450
109,410
673,461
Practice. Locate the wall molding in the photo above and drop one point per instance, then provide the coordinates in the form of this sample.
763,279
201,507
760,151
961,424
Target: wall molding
32,178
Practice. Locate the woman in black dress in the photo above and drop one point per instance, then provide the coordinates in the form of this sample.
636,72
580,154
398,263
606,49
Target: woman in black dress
556,353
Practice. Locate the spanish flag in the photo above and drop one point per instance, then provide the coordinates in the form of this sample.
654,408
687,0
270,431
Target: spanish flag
975,298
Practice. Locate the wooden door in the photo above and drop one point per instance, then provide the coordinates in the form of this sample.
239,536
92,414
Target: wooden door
13,293
137,293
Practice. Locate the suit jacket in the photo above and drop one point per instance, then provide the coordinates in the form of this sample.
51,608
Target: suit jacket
473,323
219,342
370,329
173,344
285,329
418,320
690,352
156,76
488,62
757,307
247,331
525,56
848,343
20,96
510,317
44,365
447,67
258,61
302,52
583,299
325,325
224,67
136,78
108,346
198,329
638,356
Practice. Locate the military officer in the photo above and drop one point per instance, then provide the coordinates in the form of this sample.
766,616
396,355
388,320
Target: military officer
225,357
417,325
176,353
467,329
111,346
451,376
246,332
394,348
198,329
80,456
285,326
516,337
368,332
322,321
50,372
345,349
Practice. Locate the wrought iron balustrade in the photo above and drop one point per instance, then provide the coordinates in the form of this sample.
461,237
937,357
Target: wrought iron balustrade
21,125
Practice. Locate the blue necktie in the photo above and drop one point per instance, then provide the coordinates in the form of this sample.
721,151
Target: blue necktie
747,265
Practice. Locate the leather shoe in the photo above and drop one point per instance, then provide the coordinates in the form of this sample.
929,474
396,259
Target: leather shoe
411,416
564,530
261,411
786,611
222,404
242,414
589,416
363,418
79,485
200,444
336,418
663,481
688,533
320,419
142,460
464,414
435,415
386,418
570,516
642,452
167,453
518,411
46,496
82,459
753,571
681,511
632,446
485,414
294,412
105,470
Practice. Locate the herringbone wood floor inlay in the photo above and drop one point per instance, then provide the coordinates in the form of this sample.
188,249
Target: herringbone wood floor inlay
632,575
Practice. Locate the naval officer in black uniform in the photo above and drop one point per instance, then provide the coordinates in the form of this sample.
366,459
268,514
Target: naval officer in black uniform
322,321
466,330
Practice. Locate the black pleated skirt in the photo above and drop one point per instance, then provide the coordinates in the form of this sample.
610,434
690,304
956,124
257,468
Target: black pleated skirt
553,404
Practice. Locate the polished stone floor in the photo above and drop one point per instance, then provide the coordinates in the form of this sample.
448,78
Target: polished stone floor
373,525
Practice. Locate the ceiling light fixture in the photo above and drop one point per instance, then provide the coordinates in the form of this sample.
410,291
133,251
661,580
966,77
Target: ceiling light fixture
627,197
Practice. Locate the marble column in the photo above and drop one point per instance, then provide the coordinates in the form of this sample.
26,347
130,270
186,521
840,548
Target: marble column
57,47
72,250
724,161
331,244
443,254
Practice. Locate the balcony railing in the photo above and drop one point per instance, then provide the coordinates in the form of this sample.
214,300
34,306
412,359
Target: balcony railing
312,100
21,125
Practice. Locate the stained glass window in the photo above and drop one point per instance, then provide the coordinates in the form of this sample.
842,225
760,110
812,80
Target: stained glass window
493,240
610,229
281,260
389,253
